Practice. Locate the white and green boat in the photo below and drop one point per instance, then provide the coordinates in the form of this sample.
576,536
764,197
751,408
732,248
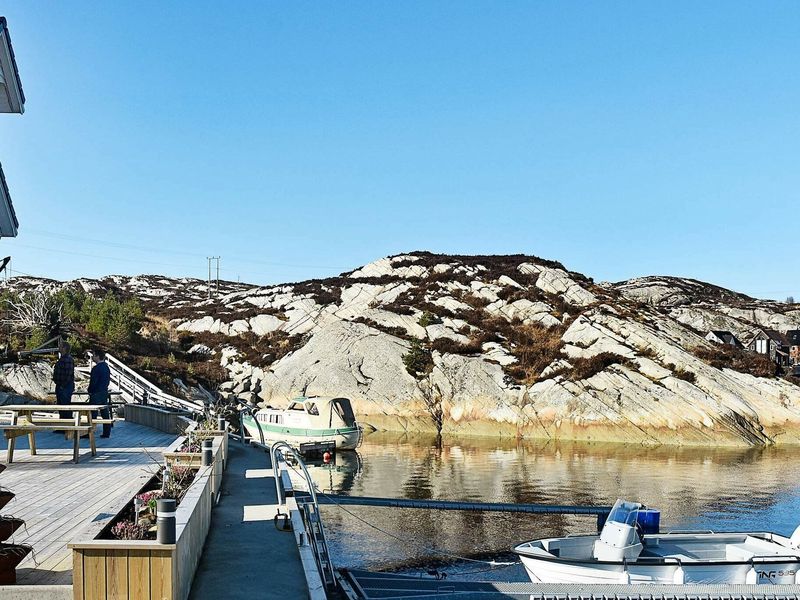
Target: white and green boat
312,419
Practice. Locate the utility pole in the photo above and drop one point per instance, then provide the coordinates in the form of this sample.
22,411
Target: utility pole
209,259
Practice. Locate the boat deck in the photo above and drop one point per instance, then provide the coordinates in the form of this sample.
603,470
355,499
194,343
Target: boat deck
59,499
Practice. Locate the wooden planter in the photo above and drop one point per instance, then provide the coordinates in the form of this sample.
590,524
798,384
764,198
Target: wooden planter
172,456
8,525
145,570
10,556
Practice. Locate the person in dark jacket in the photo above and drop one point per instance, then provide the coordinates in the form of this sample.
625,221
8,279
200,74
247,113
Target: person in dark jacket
99,378
64,378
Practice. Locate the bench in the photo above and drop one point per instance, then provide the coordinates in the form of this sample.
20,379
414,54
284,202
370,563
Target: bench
54,421
13,431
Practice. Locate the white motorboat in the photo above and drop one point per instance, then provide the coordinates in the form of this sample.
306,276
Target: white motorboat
312,419
624,553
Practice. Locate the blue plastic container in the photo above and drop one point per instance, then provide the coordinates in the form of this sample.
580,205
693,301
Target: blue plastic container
649,519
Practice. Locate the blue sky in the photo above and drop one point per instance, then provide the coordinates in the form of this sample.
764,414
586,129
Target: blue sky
300,140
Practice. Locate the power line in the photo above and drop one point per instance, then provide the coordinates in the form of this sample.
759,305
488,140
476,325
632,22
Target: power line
160,250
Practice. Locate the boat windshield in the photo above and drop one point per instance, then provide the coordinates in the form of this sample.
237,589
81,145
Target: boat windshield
624,512
344,410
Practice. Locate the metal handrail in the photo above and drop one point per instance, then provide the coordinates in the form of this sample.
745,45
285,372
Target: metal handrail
281,448
245,409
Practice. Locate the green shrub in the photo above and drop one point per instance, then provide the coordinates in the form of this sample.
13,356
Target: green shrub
428,318
115,320
36,338
418,359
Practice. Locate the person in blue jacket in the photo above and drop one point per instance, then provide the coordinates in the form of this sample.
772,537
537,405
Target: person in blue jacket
99,379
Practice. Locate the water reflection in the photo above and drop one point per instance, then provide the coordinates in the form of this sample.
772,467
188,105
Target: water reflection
714,488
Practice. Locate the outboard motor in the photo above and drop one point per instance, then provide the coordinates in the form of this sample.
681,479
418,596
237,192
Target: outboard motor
619,539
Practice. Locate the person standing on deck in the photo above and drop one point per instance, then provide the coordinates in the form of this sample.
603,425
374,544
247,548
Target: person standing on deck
64,378
99,379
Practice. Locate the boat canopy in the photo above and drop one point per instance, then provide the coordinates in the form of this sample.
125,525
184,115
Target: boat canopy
338,412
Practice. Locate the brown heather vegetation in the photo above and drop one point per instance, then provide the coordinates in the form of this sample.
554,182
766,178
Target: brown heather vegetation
446,345
399,332
535,347
584,368
725,356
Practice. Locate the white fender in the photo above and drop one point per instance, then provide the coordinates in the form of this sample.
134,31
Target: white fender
679,576
795,539
752,577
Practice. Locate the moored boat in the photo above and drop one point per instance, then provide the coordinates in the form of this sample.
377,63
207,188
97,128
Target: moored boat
307,419
624,553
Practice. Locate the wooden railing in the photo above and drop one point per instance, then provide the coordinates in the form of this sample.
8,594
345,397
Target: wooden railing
146,570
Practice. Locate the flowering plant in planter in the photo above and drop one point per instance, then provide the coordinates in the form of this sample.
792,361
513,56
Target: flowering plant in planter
174,484
128,530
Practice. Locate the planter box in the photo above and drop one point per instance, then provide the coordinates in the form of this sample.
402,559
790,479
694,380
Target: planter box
10,556
156,417
106,569
8,525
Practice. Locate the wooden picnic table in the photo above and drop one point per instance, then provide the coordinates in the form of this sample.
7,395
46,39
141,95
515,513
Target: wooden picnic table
79,410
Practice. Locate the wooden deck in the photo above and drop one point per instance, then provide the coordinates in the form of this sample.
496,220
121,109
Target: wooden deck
59,499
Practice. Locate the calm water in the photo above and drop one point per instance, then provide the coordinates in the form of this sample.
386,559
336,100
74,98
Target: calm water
695,488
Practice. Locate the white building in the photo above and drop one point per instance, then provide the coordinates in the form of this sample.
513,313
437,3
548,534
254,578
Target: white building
12,100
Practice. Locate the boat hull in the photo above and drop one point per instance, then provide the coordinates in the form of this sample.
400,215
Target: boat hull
544,571
345,438
567,560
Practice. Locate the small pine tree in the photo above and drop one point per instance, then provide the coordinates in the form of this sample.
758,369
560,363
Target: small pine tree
418,360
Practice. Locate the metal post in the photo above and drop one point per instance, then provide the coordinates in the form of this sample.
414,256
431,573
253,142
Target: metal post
165,521
208,453
222,424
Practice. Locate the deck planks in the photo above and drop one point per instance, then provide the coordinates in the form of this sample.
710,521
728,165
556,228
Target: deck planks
59,499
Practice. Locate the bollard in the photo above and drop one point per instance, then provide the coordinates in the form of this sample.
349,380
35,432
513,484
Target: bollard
165,514
208,454
137,506
222,424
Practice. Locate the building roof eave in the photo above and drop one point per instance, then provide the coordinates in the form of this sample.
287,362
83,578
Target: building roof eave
8,216
8,65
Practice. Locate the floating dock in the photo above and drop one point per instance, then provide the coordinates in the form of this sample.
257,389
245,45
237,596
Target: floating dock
366,585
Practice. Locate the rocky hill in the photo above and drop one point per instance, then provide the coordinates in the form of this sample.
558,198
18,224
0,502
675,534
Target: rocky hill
491,345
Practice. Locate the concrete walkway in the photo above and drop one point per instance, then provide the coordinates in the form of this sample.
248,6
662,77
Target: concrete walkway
245,556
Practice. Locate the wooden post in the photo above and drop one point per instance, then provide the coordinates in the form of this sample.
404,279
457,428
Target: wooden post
76,438
13,441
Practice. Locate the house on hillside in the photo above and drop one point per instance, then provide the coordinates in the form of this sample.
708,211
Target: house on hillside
793,336
771,343
719,336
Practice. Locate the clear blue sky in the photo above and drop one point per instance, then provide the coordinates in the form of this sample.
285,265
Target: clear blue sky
301,140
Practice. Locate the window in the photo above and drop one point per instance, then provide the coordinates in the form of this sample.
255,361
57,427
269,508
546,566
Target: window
761,346
312,409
